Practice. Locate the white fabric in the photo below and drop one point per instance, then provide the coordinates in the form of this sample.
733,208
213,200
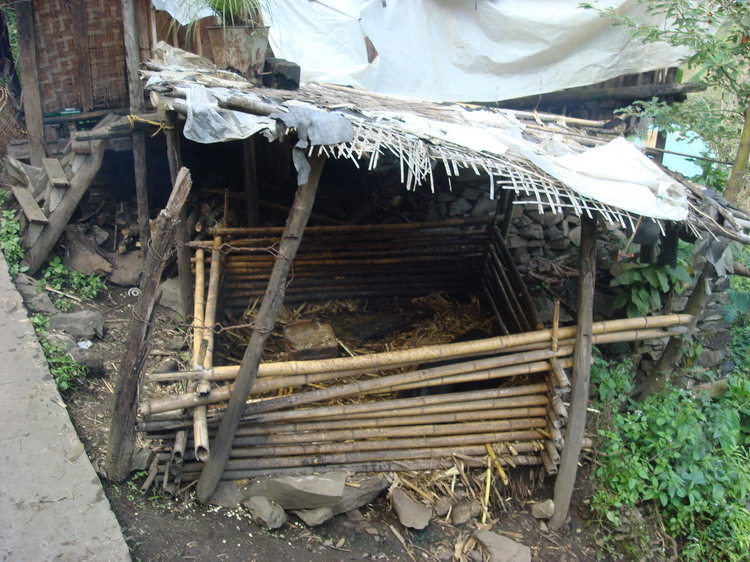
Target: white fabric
450,50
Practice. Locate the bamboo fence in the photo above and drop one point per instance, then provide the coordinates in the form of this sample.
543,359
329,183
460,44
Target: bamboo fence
345,413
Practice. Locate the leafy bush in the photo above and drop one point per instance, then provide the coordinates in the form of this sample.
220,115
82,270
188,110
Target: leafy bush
10,242
643,285
686,455
57,276
64,369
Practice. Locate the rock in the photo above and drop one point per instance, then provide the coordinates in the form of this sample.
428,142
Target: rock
313,517
99,235
552,233
265,512
281,74
543,510
483,207
167,366
140,459
41,303
514,242
170,295
411,514
27,285
128,269
575,235
559,244
61,340
502,549
227,494
84,325
89,358
355,515
442,506
534,231
471,193
365,491
464,511
301,492
545,219
474,556
459,207
82,255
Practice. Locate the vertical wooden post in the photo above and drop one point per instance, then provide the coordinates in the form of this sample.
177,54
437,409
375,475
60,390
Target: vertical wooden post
251,182
137,105
269,311
174,157
566,477
122,426
32,98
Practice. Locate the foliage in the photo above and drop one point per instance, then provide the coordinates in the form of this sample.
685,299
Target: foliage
234,12
643,285
10,242
9,12
57,276
4,196
683,454
66,372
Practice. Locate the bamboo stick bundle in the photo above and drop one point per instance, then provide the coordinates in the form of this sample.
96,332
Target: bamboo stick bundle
518,364
440,403
382,433
503,448
373,466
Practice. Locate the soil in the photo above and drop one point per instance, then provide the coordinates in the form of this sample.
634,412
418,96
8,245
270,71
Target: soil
180,529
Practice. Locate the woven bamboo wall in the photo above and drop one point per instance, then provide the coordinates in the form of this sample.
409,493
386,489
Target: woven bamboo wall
56,53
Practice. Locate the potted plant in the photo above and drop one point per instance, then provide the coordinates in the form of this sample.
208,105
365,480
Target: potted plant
242,39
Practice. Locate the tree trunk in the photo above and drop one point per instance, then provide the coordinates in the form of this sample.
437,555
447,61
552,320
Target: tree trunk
737,191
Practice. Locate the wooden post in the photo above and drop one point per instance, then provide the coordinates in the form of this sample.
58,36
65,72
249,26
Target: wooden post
82,58
566,477
122,427
251,182
137,106
185,273
32,98
269,311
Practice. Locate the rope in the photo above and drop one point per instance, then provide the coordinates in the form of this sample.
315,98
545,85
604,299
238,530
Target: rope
133,119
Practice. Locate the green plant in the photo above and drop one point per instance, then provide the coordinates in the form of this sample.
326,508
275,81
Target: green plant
4,195
58,276
716,34
63,368
644,284
10,242
235,12
685,455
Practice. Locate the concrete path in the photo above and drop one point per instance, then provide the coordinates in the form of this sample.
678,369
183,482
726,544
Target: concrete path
52,505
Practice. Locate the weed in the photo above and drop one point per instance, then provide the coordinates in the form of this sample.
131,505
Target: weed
63,368
58,276
10,242
684,455
4,196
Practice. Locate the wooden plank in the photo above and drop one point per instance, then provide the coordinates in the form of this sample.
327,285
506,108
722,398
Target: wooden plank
265,321
55,172
122,426
32,98
579,396
82,57
29,207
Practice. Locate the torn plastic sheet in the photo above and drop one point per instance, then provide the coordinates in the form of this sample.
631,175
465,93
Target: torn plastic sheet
315,126
185,12
206,122
617,174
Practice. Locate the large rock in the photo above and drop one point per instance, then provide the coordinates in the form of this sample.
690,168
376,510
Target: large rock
543,510
464,511
85,324
502,549
412,514
128,269
82,255
35,298
265,512
227,494
301,492
170,295
89,358
353,497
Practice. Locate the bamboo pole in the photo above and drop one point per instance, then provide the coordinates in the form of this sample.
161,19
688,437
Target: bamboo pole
198,306
265,321
555,323
559,376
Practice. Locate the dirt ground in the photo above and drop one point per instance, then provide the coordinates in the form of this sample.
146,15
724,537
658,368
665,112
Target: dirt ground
180,529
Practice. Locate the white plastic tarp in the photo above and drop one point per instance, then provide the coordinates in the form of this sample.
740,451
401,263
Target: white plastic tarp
451,50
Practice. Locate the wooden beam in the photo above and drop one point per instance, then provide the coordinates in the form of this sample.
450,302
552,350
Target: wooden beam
59,219
566,477
32,98
185,272
137,106
265,321
122,426
82,57
55,172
